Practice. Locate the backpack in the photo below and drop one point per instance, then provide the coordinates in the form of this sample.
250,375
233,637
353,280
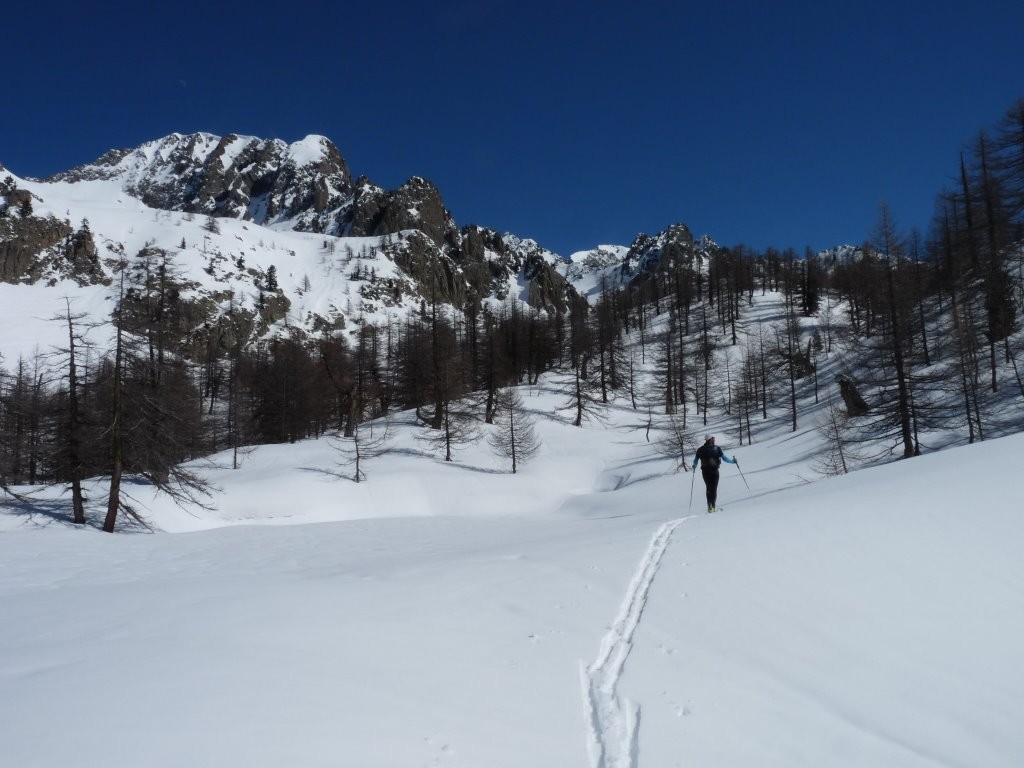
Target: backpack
710,458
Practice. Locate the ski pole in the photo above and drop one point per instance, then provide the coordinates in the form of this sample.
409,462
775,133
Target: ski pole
744,478
693,476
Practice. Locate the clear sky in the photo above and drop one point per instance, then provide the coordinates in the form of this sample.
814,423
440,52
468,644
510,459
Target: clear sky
574,123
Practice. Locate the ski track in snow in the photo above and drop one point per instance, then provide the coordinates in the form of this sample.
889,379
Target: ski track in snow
613,725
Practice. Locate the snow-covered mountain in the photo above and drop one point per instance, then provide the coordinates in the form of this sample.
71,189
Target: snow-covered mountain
303,185
280,231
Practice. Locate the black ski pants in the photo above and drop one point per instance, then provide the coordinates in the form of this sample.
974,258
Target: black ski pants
710,483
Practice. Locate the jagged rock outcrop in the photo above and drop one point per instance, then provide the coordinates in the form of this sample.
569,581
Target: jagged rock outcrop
28,246
366,211
651,254
433,274
477,241
416,205
36,247
240,177
546,287
482,264
307,186
485,261
303,186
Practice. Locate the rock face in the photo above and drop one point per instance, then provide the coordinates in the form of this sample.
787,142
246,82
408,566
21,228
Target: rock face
486,262
367,207
264,181
307,186
546,288
27,245
416,205
235,275
651,254
37,247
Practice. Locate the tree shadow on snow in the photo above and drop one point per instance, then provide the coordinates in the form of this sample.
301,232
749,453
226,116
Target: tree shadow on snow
38,513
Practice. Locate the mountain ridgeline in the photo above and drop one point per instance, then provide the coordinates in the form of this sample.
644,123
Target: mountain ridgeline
303,187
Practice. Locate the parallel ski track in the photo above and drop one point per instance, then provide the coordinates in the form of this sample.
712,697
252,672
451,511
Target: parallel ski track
613,725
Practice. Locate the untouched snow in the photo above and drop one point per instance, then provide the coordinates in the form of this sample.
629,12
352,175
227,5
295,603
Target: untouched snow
311,149
579,613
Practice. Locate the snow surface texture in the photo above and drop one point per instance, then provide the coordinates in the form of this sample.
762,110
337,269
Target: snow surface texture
445,615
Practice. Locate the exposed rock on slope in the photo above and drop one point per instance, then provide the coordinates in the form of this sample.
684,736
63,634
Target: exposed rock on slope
342,249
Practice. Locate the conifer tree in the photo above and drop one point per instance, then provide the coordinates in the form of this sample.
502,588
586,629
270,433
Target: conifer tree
515,436
365,442
71,448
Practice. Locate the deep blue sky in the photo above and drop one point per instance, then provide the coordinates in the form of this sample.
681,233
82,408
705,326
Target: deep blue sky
575,123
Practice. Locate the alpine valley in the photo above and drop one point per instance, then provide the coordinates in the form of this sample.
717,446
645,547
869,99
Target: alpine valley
270,381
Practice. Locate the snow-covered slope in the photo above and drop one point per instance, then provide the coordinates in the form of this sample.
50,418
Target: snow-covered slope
230,259
576,613
226,212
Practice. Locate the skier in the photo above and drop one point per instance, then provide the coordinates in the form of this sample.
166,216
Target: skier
711,457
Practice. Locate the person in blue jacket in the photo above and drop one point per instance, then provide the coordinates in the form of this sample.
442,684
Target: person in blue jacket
711,457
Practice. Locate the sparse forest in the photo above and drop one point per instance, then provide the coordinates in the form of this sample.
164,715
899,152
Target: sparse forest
920,326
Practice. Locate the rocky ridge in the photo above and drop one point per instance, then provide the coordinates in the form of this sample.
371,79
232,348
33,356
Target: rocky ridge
401,247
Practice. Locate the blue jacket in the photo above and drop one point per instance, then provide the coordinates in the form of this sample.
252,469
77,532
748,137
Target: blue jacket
713,453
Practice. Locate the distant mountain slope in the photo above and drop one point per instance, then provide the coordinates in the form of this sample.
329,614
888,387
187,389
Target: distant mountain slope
278,232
